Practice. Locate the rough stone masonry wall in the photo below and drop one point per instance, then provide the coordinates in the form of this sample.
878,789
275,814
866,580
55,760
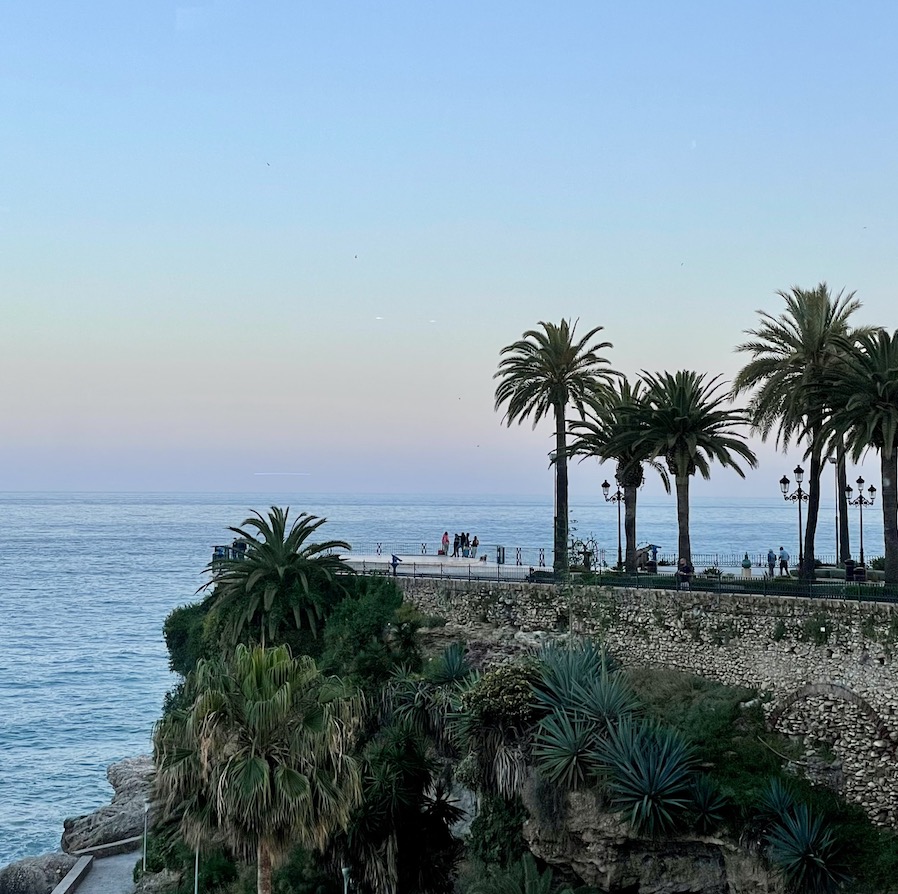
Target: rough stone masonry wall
827,668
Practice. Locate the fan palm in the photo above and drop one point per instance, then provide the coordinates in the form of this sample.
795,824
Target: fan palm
604,419
862,390
283,576
683,421
264,752
544,372
791,354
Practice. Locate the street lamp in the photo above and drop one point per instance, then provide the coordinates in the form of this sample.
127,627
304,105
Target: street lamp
616,497
345,871
797,496
860,501
835,463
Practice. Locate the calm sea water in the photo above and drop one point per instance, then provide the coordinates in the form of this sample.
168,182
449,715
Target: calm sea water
86,581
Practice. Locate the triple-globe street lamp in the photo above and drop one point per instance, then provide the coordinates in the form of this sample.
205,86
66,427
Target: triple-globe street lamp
860,501
797,496
616,497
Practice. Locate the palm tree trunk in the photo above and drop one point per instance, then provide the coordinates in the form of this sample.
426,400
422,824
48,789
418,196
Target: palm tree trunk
684,547
844,540
810,531
630,492
889,470
561,493
263,870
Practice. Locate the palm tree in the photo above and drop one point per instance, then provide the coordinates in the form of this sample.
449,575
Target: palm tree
791,354
544,372
683,421
282,576
261,755
862,391
604,419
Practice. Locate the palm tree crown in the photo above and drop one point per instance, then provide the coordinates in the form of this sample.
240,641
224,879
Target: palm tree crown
282,576
685,422
863,393
791,354
544,372
606,418
262,753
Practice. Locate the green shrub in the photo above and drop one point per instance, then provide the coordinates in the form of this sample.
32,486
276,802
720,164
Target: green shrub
496,833
503,695
184,632
816,630
779,631
877,563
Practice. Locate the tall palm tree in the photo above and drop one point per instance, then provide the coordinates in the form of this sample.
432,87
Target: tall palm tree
862,391
261,755
282,576
791,354
683,421
544,373
602,421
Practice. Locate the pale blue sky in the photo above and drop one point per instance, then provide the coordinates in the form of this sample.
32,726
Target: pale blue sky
256,237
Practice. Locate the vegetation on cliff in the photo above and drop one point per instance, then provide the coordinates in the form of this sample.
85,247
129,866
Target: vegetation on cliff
343,744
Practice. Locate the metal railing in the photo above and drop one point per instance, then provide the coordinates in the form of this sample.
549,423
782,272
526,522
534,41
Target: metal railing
723,583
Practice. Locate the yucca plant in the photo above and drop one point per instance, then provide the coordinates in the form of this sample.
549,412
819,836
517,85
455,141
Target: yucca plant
648,771
808,856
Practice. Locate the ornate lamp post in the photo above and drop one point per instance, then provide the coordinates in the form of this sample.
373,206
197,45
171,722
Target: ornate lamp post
797,496
616,497
860,501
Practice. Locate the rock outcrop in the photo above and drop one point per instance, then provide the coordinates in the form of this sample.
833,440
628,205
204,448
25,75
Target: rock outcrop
121,819
595,844
35,875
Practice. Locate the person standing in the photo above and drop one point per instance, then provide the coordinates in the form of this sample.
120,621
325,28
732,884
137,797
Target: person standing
784,562
771,561
445,543
455,544
474,544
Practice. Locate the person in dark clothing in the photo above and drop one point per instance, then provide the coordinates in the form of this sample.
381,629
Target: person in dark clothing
684,574
455,545
771,561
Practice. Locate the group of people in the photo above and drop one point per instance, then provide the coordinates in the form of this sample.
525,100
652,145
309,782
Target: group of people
462,546
783,560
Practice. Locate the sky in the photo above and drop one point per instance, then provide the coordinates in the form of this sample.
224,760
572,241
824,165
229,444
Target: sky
282,237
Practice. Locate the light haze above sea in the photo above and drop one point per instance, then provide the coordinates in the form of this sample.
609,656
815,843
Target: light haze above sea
88,579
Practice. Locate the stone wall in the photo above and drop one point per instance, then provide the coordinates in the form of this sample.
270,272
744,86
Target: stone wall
826,669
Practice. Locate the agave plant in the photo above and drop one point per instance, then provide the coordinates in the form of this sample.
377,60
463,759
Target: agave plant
708,804
648,772
564,668
451,666
775,801
808,855
565,750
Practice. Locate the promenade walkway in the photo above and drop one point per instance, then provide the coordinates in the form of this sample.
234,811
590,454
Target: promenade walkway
111,875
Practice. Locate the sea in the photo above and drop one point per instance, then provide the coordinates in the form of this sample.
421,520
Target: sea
86,581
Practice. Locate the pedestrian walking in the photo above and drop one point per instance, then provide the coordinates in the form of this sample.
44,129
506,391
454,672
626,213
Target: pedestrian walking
771,561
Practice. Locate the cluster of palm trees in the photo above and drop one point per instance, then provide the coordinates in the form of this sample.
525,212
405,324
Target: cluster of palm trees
812,380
